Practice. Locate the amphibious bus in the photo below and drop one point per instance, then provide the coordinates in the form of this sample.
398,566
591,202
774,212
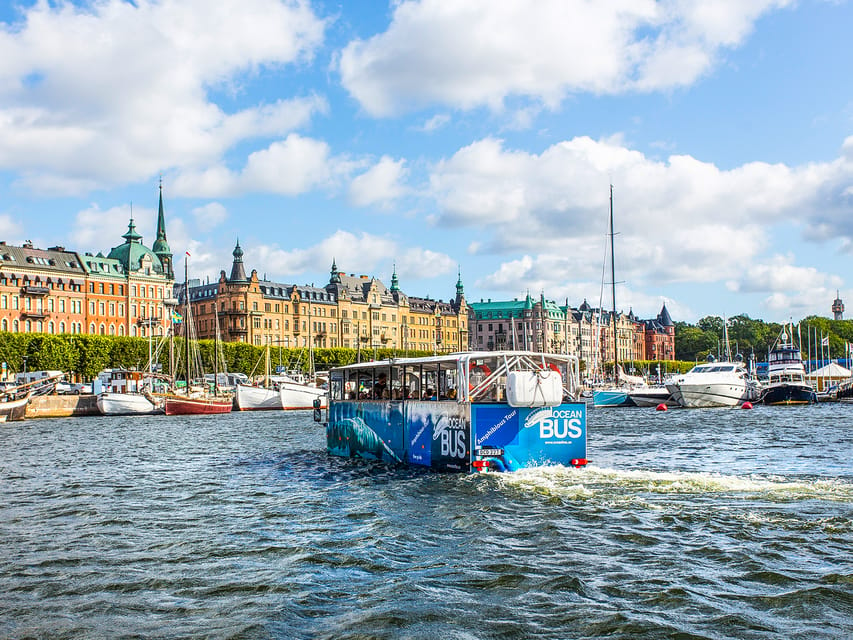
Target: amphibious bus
475,411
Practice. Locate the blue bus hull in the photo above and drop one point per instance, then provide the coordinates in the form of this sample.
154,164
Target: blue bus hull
448,436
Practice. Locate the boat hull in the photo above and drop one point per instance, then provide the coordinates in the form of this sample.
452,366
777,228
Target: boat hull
14,409
787,394
179,406
123,404
249,398
612,398
294,396
708,395
651,397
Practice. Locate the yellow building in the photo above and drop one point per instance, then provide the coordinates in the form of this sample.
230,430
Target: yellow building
355,312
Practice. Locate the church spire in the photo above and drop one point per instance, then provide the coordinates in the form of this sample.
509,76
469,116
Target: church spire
161,246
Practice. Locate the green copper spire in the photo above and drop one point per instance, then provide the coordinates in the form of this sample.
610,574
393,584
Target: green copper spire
460,290
395,284
161,246
336,276
131,236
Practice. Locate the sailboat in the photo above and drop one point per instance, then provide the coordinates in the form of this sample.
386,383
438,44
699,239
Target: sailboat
198,399
249,397
616,395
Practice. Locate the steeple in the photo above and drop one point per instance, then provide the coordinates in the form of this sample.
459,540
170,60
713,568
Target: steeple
336,276
238,272
395,284
460,290
161,246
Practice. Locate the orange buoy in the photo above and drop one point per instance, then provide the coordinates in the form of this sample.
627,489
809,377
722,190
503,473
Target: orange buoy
662,407
747,405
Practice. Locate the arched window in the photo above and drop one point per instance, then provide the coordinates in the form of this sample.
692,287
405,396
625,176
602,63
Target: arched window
4,325
50,327
121,329
15,326
112,329
133,330
92,329
103,330
62,327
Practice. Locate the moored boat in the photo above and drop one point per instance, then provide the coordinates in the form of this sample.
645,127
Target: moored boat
650,396
128,392
714,384
14,408
786,374
477,411
177,405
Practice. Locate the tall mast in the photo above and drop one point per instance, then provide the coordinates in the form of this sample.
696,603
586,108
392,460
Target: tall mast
613,285
188,318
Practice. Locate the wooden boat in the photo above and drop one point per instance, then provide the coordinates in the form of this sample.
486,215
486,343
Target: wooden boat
176,405
478,411
199,399
14,409
129,393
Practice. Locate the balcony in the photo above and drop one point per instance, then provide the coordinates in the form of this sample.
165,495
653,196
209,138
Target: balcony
35,315
31,290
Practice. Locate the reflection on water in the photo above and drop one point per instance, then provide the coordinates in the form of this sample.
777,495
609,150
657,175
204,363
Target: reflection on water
702,524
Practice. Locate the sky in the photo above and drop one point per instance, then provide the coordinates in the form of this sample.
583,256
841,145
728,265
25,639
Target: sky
439,138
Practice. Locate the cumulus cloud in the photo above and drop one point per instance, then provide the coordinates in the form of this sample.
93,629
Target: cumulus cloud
381,184
677,220
210,215
478,53
110,92
10,229
287,167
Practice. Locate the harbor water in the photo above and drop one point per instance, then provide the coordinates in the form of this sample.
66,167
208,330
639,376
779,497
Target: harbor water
685,524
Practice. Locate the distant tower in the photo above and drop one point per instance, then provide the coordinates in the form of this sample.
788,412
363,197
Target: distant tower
238,272
161,246
837,308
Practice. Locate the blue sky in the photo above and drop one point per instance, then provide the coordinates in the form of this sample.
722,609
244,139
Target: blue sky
438,136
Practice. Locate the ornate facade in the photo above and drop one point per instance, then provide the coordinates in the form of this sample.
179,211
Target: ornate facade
356,312
59,291
584,332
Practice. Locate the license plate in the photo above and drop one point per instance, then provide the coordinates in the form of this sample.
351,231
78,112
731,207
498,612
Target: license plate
489,451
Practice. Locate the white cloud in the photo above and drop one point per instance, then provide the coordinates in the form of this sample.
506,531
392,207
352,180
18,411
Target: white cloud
352,252
94,228
381,184
418,263
10,229
287,167
480,52
210,215
112,91
679,220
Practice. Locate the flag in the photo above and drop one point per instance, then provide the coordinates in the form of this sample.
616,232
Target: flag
188,253
177,318
824,342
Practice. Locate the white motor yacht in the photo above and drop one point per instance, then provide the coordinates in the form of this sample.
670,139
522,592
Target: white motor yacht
714,384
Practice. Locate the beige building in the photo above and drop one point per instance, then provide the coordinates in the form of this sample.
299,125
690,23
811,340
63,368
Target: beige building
355,312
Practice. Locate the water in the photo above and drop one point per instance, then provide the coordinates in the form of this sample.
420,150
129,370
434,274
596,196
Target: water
686,524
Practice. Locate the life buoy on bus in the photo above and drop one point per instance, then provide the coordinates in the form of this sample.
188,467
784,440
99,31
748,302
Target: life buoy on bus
478,367
552,367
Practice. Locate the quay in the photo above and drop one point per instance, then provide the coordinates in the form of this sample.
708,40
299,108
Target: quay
55,406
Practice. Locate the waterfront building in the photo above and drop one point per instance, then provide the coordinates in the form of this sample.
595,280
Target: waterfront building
586,332
59,291
355,312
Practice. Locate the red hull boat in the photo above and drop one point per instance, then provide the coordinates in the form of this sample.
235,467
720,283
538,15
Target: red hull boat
180,406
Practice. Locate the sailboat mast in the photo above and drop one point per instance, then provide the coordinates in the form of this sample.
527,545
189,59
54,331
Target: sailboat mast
188,318
613,285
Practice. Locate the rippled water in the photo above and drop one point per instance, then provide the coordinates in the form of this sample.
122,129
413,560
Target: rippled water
686,524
